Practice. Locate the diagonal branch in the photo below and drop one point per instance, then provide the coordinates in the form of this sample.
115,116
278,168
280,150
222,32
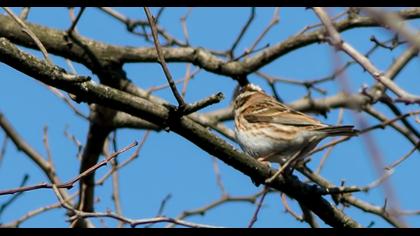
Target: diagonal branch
336,41
69,184
161,60
53,41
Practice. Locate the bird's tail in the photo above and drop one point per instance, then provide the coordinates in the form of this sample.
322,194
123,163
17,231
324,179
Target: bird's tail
342,130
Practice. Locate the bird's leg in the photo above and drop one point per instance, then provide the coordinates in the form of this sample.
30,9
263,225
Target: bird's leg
283,167
264,159
293,160
264,162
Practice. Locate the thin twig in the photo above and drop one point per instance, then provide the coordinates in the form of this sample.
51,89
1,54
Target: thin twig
115,177
396,24
288,209
215,98
347,198
257,210
336,41
126,162
24,13
351,189
308,216
187,78
36,212
403,158
184,25
223,199
69,184
74,23
30,34
388,101
381,117
309,84
161,208
3,148
46,145
159,14
133,223
14,197
166,85
78,144
381,125
242,32
218,176
329,150
161,60
275,20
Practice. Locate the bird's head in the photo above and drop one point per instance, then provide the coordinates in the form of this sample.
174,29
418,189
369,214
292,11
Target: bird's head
245,94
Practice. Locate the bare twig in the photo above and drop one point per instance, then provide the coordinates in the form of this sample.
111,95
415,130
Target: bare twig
133,223
257,210
381,125
329,150
185,79
132,25
27,149
159,14
69,184
215,98
24,13
126,162
403,158
74,23
163,204
309,27
388,101
218,176
242,32
161,208
14,197
184,108
115,177
75,141
46,145
30,34
223,199
336,41
308,216
3,148
65,99
288,209
309,84
381,117
367,207
350,189
396,24
161,60
184,24
36,212
275,20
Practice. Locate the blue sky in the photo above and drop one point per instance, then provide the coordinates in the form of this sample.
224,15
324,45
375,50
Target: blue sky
169,164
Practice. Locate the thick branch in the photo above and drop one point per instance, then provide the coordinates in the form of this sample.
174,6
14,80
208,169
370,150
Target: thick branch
57,42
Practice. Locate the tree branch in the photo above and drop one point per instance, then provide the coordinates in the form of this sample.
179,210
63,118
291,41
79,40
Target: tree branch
184,126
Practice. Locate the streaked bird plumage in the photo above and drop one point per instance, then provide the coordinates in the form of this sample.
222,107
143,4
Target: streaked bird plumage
266,128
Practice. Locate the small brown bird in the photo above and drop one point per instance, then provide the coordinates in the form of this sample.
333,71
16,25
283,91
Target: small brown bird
270,131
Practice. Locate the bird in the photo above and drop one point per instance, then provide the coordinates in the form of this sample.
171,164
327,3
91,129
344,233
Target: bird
272,132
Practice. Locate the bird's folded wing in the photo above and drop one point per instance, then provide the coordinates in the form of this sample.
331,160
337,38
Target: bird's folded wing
283,117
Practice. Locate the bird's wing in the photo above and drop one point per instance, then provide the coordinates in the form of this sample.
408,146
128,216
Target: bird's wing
280,114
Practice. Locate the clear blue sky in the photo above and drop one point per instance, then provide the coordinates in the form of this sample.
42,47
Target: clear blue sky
170,164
